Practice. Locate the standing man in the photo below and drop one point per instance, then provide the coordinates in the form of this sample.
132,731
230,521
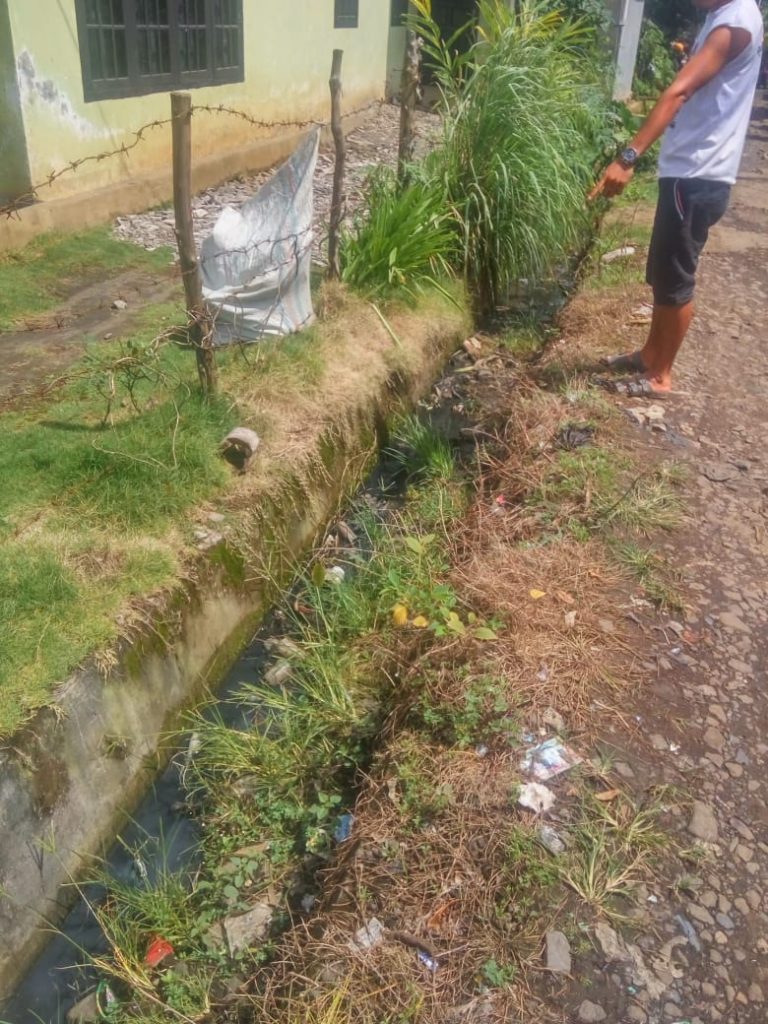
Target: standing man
704,116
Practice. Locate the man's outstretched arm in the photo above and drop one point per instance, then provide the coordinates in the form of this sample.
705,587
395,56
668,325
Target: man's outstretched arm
720,47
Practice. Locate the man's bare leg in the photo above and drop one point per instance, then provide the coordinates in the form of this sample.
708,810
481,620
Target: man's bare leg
669,327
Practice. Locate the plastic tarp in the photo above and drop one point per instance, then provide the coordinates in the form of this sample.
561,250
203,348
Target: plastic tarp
256,263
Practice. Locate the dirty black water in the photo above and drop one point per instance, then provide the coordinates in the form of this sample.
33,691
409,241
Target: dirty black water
162,836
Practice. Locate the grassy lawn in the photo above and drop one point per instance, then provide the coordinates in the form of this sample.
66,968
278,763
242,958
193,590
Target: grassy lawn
37,278
90,506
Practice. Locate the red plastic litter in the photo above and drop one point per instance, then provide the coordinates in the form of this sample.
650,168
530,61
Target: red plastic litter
158,950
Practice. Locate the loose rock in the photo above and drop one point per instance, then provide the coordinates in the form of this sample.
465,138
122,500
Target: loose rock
703,823
558,953
591,1013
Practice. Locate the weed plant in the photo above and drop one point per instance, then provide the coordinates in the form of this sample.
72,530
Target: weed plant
404,241
525,119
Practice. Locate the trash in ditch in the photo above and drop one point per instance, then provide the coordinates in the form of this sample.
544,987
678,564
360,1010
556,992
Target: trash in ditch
159,950
536,797
575,436
278,674
400,616
642,314
551,841
343,828
284,647
106,1001
618,254
193,747
335,575
548,759
689,931
370,935
429,961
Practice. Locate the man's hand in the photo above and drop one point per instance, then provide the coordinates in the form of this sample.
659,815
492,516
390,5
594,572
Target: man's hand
615,179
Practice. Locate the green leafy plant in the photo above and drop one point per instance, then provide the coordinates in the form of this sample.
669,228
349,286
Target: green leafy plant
524,117
403,240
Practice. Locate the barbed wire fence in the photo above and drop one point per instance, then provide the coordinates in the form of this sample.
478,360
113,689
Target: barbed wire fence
282,251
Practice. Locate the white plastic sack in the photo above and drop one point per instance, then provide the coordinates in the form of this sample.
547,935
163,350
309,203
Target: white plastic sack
255,265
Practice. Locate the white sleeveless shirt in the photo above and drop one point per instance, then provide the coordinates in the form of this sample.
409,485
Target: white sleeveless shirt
706,138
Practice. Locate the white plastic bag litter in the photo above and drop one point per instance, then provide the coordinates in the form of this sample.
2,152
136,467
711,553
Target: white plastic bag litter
255,264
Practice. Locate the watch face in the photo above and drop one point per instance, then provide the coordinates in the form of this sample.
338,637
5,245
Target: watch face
629,156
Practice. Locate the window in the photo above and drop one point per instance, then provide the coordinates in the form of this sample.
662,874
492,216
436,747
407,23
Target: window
345,13
399,9
133,47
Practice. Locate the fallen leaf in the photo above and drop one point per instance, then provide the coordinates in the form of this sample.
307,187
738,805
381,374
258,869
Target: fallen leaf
561,595
607,795
485,633
538,594
420,622
318,574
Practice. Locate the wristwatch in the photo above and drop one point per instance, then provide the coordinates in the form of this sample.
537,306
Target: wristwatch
628,157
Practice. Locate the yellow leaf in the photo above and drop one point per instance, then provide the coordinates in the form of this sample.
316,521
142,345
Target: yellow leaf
420,622
538,594
400,615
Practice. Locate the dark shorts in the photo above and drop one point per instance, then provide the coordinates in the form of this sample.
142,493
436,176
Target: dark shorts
686,210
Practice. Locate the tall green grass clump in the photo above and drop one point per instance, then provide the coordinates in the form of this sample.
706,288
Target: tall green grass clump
404,239
525,119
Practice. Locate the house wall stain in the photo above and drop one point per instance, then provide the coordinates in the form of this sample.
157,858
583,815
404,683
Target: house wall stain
288,50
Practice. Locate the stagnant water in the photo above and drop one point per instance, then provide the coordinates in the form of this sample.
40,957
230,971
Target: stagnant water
162,836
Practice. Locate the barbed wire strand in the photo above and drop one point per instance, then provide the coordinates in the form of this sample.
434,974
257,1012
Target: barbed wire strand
26,199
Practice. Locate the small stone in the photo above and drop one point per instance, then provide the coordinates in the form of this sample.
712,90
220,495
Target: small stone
591,1013
733,623
708,899
119,304
725,922
703,823
745,852
607,625
637,1015
755,993
754,898
245,930
734,770
658,742
700,914
558,953
714,739
741,905
708,989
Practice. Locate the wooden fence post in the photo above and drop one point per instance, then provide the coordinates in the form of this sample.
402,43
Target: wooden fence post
409,92
337,200
200,326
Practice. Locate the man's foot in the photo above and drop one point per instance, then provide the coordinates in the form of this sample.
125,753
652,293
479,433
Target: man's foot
632,363
640,387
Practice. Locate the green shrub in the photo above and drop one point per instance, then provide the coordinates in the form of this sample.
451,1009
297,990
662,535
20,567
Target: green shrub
655,67
525,118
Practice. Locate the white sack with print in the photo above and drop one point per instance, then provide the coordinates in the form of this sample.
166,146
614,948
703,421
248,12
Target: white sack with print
256,263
